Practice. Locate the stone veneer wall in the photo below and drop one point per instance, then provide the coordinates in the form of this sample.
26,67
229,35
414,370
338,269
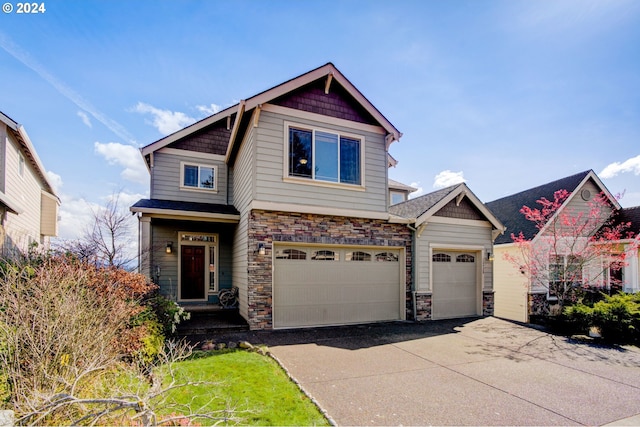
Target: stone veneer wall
538,304
423,307
268,227
487,303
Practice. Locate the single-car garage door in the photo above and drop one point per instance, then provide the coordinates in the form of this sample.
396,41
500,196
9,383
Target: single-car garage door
455,285
315,286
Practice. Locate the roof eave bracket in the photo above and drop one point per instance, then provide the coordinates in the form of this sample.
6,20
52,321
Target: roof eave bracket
328,83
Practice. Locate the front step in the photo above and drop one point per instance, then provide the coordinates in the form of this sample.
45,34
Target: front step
211,322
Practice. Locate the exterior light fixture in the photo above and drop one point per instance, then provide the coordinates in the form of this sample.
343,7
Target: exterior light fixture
489,256
169,248
261,249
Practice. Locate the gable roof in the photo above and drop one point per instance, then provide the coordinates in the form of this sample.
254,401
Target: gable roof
631,215
424,207
239,117
507,209
20,134
395,185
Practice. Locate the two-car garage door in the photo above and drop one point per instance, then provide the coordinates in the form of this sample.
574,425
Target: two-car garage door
315,286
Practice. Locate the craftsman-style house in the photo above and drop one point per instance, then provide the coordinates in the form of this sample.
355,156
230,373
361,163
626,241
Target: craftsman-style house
286,196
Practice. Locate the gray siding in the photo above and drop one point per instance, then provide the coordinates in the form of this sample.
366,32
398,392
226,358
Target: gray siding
450,235
243,190
165,183
270,186
578,206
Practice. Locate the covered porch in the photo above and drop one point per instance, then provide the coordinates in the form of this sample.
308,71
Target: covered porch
186,248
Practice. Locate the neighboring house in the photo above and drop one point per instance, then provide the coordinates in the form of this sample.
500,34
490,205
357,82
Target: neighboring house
630,275
516,297
452,252
399,192
284,195
28,203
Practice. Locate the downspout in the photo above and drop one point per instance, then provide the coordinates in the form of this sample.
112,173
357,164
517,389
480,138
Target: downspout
414,301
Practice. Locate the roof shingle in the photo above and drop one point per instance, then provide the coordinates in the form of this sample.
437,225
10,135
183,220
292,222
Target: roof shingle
507,209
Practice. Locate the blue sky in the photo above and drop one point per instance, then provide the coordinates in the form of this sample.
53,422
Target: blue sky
506,95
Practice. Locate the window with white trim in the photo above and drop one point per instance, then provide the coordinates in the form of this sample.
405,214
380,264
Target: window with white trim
398,197
324,156
196,176
565,271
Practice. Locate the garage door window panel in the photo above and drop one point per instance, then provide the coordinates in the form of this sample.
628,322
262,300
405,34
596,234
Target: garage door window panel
441,257
291,254
325,255
358,256
465,258
387,257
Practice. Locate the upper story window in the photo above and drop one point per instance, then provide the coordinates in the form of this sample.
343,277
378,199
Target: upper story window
398,197
324,156
196,176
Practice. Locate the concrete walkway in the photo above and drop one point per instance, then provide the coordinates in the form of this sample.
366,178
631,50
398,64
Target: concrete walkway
475,372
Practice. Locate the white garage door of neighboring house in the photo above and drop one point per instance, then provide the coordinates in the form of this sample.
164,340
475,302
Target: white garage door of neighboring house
455,285
315,286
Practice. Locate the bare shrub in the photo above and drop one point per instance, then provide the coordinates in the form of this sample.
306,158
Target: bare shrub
61,321
131,399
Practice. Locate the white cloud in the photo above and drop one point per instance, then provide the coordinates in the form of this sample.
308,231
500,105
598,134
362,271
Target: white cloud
447,178
85,118
615,168
77,216
209,110
419,192
166,121
128,157
55,180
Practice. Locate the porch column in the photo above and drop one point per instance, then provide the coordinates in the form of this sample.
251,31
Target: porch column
631,274
144,245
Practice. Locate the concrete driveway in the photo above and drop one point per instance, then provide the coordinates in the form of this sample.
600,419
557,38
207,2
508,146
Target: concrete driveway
465,372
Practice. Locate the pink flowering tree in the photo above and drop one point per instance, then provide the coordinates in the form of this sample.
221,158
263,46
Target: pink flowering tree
576,248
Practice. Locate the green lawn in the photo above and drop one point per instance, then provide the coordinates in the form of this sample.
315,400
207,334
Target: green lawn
255,385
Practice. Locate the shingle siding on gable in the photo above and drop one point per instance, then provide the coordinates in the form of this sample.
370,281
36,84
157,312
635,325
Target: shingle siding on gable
213,140
465,210
337,103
